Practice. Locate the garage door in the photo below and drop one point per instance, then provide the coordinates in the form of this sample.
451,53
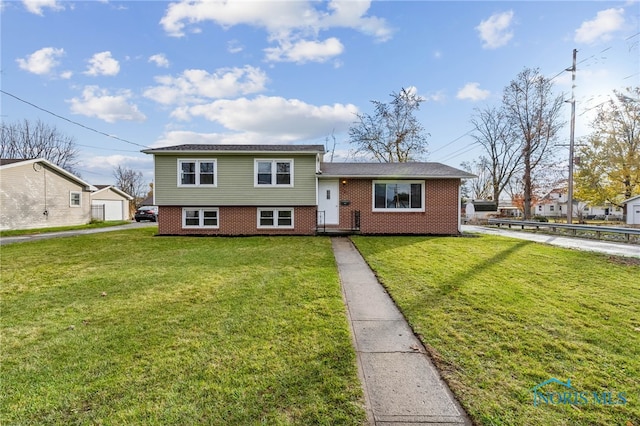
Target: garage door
112,209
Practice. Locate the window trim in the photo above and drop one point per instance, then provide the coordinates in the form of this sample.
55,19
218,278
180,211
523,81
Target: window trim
401,210
197,161
71,194
276,214
274,172
201,211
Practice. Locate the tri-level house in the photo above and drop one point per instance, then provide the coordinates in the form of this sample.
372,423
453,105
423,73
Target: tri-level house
288,189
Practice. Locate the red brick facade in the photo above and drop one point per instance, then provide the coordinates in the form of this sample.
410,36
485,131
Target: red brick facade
440,215
236,221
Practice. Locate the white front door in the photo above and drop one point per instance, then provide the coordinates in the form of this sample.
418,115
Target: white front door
636,214
328,202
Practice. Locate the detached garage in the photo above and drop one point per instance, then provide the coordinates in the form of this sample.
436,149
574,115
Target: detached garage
110,203
633,210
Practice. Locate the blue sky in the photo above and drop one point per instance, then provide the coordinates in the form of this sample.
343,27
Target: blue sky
165,73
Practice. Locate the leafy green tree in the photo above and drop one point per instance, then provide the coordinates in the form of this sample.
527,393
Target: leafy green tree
609,160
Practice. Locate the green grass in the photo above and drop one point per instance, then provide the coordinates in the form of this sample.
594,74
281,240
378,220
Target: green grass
125,328
501,315
93,224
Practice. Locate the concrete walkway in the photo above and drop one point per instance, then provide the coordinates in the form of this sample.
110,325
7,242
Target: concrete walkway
401,385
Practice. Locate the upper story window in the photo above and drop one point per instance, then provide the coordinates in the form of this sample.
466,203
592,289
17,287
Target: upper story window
274,173
75,198
197,172
398,196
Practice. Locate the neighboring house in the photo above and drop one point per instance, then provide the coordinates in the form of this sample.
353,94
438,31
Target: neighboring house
633,210
110,203
554,204
287,189
38,194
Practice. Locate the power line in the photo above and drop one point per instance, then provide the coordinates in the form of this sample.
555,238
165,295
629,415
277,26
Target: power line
73,122
455,140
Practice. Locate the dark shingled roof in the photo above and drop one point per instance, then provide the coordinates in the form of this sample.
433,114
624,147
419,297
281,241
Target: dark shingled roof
5,161
236,148
392,170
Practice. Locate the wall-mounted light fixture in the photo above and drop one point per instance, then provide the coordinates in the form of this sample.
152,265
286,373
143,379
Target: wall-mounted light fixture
344,181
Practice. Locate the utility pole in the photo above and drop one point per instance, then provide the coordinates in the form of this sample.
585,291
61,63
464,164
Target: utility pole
571,137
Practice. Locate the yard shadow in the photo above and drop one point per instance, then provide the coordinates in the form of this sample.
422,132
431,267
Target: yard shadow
457,280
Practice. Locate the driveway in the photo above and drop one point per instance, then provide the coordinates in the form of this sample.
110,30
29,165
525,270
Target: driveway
46,235
617,249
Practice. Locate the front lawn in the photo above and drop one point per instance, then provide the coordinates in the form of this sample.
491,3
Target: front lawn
501,316
126,328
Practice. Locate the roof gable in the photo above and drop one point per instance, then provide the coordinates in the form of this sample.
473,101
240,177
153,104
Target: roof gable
105,188
9,163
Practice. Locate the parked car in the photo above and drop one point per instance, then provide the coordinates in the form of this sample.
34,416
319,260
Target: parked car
147,213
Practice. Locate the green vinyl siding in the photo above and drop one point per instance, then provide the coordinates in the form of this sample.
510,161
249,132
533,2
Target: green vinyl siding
235,186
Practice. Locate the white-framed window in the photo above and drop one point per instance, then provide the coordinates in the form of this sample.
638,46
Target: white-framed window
269,172
75,198
398,196
551,208
200,217
202,172
275,218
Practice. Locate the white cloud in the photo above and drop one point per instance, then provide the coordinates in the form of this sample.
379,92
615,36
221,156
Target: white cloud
103,64
96,102
275,117
37,6
495,31
473,92
288,23
600,28
305,51
160,60
194,86
234,46
41,61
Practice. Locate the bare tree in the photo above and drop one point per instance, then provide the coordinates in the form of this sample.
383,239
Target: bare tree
27,140
534,116
479,188
392,134
492,130
131,182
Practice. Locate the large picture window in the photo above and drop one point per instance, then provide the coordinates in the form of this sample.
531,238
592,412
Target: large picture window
200,218
197,172
275,218
274,173
398,195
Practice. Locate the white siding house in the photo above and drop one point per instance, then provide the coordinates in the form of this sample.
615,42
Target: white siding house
633,210
38,194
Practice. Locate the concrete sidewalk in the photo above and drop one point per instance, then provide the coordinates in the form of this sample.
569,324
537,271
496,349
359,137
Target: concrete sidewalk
400,383
606,247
